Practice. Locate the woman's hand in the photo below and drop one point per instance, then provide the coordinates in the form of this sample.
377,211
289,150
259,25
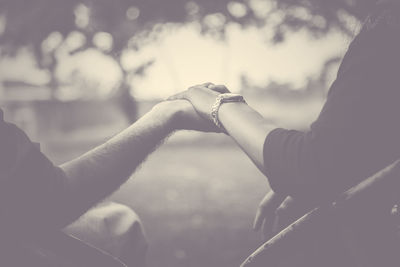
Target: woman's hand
202,97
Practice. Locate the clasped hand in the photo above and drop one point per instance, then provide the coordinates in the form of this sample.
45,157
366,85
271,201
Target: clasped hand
195,112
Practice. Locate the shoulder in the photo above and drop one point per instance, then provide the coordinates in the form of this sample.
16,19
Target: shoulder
385,14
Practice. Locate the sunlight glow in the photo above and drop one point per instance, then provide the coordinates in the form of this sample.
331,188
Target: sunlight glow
94,73
183,57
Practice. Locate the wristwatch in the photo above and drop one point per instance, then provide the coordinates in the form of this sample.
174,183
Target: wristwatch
223,98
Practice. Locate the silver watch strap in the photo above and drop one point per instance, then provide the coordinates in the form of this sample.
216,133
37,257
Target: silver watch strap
223,98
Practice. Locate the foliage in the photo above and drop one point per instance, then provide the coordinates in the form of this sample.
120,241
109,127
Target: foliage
45,25
31,21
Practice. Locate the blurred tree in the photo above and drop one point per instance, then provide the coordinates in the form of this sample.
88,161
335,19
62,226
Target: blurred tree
111,26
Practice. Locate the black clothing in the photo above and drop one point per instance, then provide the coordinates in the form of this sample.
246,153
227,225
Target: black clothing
357,132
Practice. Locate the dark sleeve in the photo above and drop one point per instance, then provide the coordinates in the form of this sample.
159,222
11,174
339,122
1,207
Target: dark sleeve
357,131
288,158
32,190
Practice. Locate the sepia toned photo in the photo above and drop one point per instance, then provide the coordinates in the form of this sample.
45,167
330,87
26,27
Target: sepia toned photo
194,133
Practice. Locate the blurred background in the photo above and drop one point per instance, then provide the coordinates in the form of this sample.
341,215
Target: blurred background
73,73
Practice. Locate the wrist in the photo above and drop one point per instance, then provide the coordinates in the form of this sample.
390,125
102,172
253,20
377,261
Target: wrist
168,114
221,100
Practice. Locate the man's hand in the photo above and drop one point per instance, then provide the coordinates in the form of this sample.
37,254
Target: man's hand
277,212
266,217
202,97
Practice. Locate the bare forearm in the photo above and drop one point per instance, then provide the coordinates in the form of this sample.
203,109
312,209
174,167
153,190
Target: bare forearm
102,170
248,128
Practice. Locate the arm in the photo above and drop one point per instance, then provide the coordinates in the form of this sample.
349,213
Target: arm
296,163
285,157
36,195
248,128
102,170
245,125
99,172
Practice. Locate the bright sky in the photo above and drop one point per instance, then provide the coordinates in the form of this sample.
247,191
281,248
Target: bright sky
183,57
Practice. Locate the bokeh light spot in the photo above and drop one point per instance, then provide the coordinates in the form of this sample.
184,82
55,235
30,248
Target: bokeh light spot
103,41
237,9
216,20
52,42
75,40
192,8
132,13
82,16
